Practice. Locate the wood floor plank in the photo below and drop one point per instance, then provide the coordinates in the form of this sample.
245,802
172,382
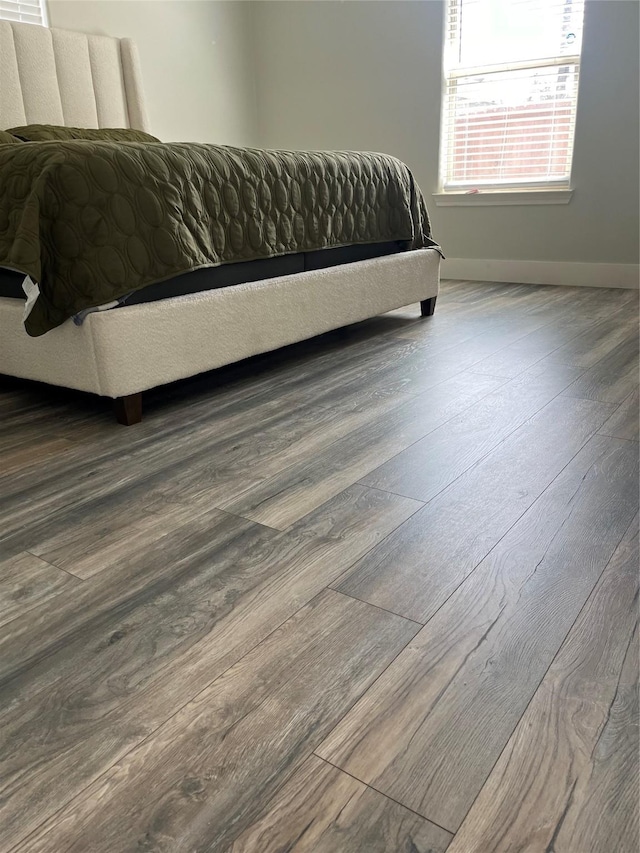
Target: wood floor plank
109,664
14,458
581,302
433,362
466,325
572,306
568,779
361,404
32,421
101,467
415,569
612,378
338,533
542,302
240,739
322,810
428,466
133,511
430,730
595,343
222,457
624,422
26,582
512,360
94,537
280,500
370,362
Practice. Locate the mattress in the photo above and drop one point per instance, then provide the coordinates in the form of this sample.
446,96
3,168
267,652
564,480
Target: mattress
91,222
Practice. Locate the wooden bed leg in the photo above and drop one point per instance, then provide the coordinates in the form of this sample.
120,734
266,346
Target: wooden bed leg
428,306
128,410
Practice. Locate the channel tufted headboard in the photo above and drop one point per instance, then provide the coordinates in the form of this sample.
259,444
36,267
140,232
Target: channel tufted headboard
52,76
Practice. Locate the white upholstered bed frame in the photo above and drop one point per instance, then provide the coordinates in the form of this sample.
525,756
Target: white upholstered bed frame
51,76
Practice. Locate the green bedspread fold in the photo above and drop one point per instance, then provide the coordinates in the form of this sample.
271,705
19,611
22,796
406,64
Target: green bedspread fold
93,221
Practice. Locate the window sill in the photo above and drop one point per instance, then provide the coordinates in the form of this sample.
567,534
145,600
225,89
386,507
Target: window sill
485,198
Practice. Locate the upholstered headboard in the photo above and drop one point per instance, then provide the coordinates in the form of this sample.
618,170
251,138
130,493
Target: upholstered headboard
51,76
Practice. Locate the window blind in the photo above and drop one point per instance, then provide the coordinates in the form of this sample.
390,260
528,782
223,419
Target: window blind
511,91
26,11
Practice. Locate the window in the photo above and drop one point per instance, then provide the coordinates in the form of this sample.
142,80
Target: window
511,88
27,11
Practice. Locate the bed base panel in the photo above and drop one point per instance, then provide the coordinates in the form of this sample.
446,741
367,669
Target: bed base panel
122,352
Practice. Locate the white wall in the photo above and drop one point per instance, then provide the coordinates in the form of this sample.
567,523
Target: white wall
196,61
361,75
367,75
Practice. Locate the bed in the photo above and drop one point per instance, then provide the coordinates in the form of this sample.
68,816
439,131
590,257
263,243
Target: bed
215,312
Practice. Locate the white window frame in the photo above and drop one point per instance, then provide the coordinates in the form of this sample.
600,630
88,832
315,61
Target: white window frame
512,193
25,11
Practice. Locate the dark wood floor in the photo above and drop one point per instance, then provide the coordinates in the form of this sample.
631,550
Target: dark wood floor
375,592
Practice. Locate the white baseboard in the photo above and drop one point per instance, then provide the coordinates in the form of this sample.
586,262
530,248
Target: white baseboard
542,272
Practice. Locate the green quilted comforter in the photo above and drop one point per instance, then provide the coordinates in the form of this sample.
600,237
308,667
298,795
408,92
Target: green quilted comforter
93,221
